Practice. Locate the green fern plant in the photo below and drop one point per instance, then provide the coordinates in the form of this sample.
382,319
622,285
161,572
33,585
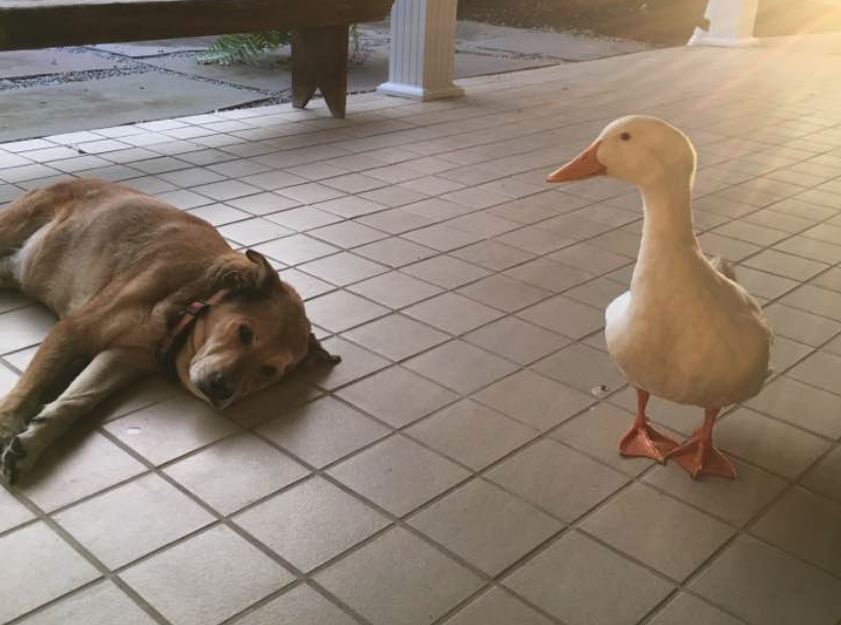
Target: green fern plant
247,48
250,48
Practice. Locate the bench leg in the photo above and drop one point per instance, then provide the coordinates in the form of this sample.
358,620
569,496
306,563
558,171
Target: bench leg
319,61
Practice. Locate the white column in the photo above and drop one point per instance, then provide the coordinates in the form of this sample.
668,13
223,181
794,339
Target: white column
420,64
731,24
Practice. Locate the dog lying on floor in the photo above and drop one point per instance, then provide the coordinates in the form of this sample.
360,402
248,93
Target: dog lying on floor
137,285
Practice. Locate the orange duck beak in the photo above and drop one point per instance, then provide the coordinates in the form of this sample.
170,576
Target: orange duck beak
585,165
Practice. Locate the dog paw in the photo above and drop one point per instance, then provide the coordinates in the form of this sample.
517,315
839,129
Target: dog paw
12,459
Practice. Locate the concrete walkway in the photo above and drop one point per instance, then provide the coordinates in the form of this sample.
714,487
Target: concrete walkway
70,89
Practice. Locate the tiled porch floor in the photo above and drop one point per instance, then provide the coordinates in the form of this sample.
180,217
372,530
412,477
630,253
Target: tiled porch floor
459,466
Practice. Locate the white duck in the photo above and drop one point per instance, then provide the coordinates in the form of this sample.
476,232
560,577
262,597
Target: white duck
686,331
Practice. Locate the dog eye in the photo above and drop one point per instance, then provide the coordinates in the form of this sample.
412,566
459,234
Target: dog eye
268,371
625,136
246,334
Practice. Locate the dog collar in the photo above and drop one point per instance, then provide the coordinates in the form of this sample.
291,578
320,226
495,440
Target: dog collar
176,337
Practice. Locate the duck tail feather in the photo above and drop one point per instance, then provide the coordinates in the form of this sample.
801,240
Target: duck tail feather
724,268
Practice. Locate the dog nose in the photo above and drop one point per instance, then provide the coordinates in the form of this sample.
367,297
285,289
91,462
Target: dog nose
216,387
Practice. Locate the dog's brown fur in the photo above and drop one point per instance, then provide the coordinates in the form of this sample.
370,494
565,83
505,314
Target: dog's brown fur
118,267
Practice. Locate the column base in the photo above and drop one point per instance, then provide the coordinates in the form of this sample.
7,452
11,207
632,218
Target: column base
419,93
702,38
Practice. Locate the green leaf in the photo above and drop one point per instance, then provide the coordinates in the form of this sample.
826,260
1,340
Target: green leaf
246,48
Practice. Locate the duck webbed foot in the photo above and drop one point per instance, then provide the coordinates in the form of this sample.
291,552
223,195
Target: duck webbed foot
699,456
643,439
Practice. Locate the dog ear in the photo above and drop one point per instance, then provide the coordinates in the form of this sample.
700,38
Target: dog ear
266,275
317,353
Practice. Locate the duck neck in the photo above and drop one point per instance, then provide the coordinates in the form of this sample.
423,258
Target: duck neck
667,204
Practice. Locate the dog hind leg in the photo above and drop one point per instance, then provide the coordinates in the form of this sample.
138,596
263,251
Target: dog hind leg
107,373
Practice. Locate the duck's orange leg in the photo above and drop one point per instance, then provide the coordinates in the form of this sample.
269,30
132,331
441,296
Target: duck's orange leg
643,439
699,456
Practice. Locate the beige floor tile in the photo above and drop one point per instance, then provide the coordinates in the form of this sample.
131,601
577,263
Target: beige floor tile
534,400
442,237
347,234
589,258
446,271
311,523
263,203
460,366
768,443
128,522
303,218
340,310
295,249
395,252
395,289
471,434
800,325
253,231
226,190
24,327
300,606
565,316
470,521
369,583
786,265
397,396
12,512
504,293
549,275
497,607
687,609
597,432
804,524
811,249
580,582
763,585
236,472
81,465
356,363
516,340
310,193
343,268
349,206
171,428
735,501
101,604
815,300
533,474
820,369
801,405
822,478
206,579
398,474
453,313
396,337
40,567
584,368
493,255
395,221
322,431
658,530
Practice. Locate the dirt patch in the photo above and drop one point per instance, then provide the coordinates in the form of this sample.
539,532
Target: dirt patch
668,22
665,22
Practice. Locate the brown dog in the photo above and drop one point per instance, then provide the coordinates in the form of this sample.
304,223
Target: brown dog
132,278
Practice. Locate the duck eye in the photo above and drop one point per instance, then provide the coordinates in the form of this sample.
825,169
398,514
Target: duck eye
625,136
268,371
246,334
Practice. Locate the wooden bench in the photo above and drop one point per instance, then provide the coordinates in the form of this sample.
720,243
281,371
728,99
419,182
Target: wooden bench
319,30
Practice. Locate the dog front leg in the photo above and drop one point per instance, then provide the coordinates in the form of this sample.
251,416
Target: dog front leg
107,373
51,368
